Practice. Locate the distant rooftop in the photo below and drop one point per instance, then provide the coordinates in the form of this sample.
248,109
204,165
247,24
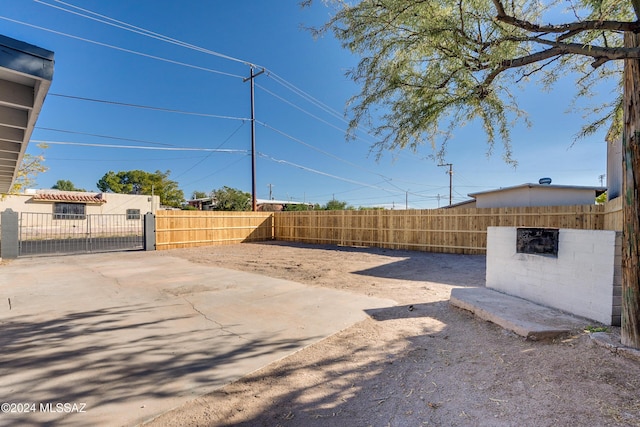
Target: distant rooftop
598,190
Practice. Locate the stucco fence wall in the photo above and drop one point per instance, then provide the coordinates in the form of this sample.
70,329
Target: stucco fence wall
584,278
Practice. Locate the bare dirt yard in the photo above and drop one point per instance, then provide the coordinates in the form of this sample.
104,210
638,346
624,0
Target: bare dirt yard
421,362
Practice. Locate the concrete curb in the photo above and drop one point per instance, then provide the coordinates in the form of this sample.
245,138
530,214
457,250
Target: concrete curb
612,343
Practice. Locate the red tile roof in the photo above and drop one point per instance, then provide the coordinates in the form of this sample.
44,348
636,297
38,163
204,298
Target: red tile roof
69,197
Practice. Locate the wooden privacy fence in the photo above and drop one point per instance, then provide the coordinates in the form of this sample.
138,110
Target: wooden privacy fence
613,214
462,231
184,229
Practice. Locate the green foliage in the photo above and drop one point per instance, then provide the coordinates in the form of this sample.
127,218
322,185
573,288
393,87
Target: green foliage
31,166
199,195
372,208
601,199
66,185
592,329
300,207
428,67
141,182
231,199
188,208
336,205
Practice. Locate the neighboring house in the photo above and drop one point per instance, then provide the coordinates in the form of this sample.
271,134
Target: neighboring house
537,195
266,205
78,204
467,204
203,204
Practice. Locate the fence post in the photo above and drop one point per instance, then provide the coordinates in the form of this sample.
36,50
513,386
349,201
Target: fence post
149,232
9,235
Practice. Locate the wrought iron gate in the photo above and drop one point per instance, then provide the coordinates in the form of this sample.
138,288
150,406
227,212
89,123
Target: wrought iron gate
45,233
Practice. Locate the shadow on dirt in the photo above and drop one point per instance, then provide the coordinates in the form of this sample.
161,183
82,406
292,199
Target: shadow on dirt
438,376
413,265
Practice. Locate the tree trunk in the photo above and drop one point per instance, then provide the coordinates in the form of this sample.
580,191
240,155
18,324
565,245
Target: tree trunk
631,213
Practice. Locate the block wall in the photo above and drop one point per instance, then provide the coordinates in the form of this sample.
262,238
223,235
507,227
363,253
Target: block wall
583,279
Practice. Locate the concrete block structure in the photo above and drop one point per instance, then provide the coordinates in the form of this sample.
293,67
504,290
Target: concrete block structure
583,279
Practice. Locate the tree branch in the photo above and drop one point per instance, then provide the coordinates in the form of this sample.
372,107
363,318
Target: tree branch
600,54
571,28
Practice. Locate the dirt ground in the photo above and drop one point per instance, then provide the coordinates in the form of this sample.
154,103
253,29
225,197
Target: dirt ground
419,363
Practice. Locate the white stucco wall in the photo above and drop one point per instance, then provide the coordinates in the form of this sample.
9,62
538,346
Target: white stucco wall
116,204
614,169
535,196
580,280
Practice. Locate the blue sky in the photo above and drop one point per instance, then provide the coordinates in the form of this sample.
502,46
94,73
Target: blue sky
300,103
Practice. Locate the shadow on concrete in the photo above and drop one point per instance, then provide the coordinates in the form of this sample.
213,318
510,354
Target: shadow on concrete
108,356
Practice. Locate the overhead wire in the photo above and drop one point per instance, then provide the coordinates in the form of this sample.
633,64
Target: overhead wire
118,159
227,166
129,27
148,107
168,110
107,20
102,136
299,108
308,169
158,36
104,19
139,147
355,165
211,153
134,52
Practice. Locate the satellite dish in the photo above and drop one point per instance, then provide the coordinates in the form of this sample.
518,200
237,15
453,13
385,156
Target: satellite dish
544,181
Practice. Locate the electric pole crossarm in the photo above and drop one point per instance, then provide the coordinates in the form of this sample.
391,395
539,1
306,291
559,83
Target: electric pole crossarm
253,75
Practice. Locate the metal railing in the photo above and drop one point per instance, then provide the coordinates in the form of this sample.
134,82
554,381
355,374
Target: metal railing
45,233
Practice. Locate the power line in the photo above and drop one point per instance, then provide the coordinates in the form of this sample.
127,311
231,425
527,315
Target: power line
134,52
138,147
301,109
161,37
333,156
211,153
138,30
158,36
103,136
217,171
308,169
387,179
148,107
277,78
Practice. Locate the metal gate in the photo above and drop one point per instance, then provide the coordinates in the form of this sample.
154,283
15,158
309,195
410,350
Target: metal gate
47,234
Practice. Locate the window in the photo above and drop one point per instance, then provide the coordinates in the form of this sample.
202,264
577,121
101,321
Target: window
69,211
133,213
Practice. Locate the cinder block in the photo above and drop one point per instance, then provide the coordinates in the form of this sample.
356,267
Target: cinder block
579,280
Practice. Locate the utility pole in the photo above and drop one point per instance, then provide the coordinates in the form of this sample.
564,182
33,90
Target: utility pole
254,200
450,172
406,200
270,191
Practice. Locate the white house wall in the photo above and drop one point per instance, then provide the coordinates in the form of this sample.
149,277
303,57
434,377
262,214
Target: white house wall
115,204
535,196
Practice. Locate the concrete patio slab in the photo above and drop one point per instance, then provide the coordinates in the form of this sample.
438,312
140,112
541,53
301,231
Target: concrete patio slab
527,319
119,338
